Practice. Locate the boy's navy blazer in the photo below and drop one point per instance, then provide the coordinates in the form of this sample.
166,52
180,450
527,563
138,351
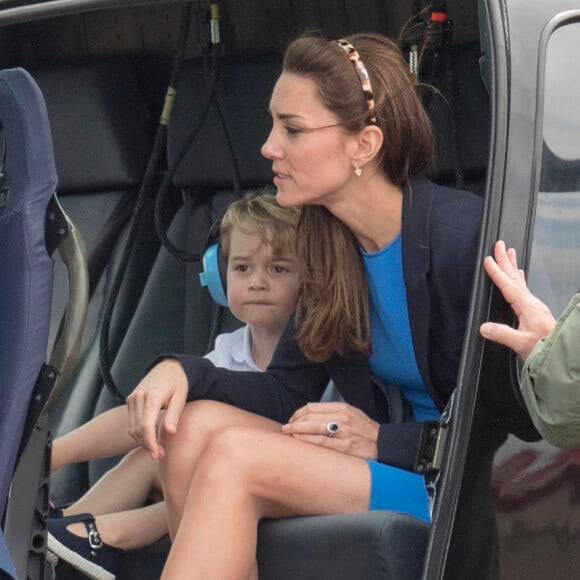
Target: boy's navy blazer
440,232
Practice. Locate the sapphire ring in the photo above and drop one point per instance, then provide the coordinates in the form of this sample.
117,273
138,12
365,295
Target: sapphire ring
332,429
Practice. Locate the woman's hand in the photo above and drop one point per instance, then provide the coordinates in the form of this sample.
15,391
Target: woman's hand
163,387
357,433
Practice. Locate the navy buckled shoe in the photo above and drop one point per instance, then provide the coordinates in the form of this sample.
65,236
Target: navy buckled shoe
89,555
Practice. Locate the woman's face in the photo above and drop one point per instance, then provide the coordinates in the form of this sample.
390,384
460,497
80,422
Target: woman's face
311,155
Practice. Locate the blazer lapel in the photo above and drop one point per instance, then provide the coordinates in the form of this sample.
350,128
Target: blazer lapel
416,227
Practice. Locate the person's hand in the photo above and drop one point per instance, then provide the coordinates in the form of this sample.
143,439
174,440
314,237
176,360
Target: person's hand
535,321
163,387
357,433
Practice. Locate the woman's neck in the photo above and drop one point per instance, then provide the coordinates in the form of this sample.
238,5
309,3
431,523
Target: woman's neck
263,343
372,211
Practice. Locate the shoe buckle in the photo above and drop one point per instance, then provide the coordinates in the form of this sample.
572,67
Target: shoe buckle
95,541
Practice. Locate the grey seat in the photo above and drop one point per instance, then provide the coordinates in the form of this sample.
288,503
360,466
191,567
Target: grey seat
101,147
369,545
205,179
385,545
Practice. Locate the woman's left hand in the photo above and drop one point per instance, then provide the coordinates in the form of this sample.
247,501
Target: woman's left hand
357,433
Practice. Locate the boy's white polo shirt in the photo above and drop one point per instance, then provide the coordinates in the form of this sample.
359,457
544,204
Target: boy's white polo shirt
232,351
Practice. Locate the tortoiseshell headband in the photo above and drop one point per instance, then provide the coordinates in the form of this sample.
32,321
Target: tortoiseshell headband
362,73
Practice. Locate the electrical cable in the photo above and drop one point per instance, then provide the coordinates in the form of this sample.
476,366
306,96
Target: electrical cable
168,177
160,140
157,149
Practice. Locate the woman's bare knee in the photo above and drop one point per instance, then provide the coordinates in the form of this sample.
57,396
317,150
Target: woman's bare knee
197,419
202,422
201,419
183,449
232,455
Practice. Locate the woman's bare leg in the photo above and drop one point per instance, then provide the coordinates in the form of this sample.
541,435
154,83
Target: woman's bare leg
198,422
104,436
245,475
117,502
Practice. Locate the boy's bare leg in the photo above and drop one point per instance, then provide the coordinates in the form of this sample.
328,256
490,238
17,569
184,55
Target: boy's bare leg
104,436
129,529
128,485
117,499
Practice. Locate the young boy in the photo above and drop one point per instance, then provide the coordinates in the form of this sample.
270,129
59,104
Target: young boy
257,239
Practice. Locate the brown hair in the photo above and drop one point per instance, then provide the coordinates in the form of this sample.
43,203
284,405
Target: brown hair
332,311
260,213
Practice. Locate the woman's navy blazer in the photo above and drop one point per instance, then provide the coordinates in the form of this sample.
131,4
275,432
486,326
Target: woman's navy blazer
440,232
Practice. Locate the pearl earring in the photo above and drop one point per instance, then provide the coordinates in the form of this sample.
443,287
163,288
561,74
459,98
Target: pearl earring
357,170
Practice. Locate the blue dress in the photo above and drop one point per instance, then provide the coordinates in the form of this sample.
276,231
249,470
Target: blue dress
393,360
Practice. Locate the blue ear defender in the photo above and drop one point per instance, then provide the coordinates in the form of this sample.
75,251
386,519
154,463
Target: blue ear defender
213,274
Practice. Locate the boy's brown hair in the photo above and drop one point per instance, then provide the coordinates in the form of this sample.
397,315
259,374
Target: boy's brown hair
259,213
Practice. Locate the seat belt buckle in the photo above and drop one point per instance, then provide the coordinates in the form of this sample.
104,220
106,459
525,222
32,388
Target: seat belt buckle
431,448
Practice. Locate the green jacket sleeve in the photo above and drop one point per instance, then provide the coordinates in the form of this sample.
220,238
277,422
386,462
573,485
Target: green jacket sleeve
550,380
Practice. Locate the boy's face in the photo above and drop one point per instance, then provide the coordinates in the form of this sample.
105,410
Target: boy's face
262,288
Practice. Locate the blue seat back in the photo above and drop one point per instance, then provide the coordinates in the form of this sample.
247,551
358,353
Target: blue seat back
26,268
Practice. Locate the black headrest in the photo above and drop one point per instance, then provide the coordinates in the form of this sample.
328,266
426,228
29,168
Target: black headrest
460,115
244,90
98,122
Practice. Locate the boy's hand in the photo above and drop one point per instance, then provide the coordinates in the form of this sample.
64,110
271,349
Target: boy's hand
163,387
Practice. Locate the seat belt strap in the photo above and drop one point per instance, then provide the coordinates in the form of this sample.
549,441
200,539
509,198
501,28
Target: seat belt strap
198,304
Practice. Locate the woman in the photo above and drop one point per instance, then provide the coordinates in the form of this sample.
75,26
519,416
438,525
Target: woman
387,260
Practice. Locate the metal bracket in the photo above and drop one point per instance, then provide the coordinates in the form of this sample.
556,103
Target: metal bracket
95,541
430,452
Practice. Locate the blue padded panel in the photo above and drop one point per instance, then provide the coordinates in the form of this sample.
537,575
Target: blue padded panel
99,123
25,267
6,565
244,91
